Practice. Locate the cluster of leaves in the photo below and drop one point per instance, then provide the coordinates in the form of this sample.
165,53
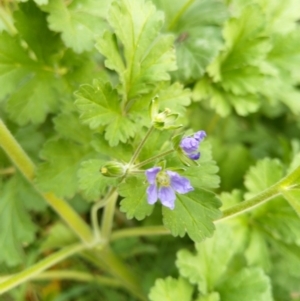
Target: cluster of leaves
257,66
240,55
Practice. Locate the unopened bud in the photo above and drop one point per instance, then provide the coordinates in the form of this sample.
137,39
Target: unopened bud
113,169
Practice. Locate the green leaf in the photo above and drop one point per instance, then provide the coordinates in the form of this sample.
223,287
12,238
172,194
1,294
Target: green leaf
44,43
26,191
198,34
223,101
245,43
282,17
58,175
193,214
257,252
237,72
69,126
79,22
27,76
211,297
59,235
210,263
293,198
100,105
6,21
135,203
122,152
171,96
171,289
261,176
92,183
148,55
15,222
204,175
284,55
250,284
39,2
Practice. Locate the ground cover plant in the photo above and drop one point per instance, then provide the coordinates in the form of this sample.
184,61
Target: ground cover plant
150,150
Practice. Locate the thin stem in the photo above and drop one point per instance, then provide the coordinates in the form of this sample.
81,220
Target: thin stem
15,152
140,231
72,275
287,183
154,158
139,148
108,215
94,217
17,155
94,213
179,14
248,205
39,267
71,218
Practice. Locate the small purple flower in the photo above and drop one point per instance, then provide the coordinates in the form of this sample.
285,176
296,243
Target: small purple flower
190,145
164,184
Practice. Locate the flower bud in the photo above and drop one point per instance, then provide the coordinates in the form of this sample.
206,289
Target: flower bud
165,120
113,169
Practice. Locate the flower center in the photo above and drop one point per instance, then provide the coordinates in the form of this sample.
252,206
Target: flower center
163,179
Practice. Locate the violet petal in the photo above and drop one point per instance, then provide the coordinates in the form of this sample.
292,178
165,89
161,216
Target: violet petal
200,135
180,184
151,174
167,197
152,194
194,156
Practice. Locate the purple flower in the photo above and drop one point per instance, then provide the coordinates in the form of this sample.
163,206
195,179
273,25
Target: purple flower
164,184
190,145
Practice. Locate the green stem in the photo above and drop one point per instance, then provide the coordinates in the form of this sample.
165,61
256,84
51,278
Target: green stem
94,217
106,260
140,231
39,267
108,215
17,155
15,152
248,205
154,158
72,275
71,218
287,183
139,148
179,14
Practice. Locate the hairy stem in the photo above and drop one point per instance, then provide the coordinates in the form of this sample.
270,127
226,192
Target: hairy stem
17,155
139,148
71,218
108,215
287,183
140,231
154,158
71,275
15,152
39,267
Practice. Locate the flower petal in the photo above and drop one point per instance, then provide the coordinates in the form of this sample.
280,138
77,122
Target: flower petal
167,197
179,184
199,136
189,144
151,174
194,156
152,194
